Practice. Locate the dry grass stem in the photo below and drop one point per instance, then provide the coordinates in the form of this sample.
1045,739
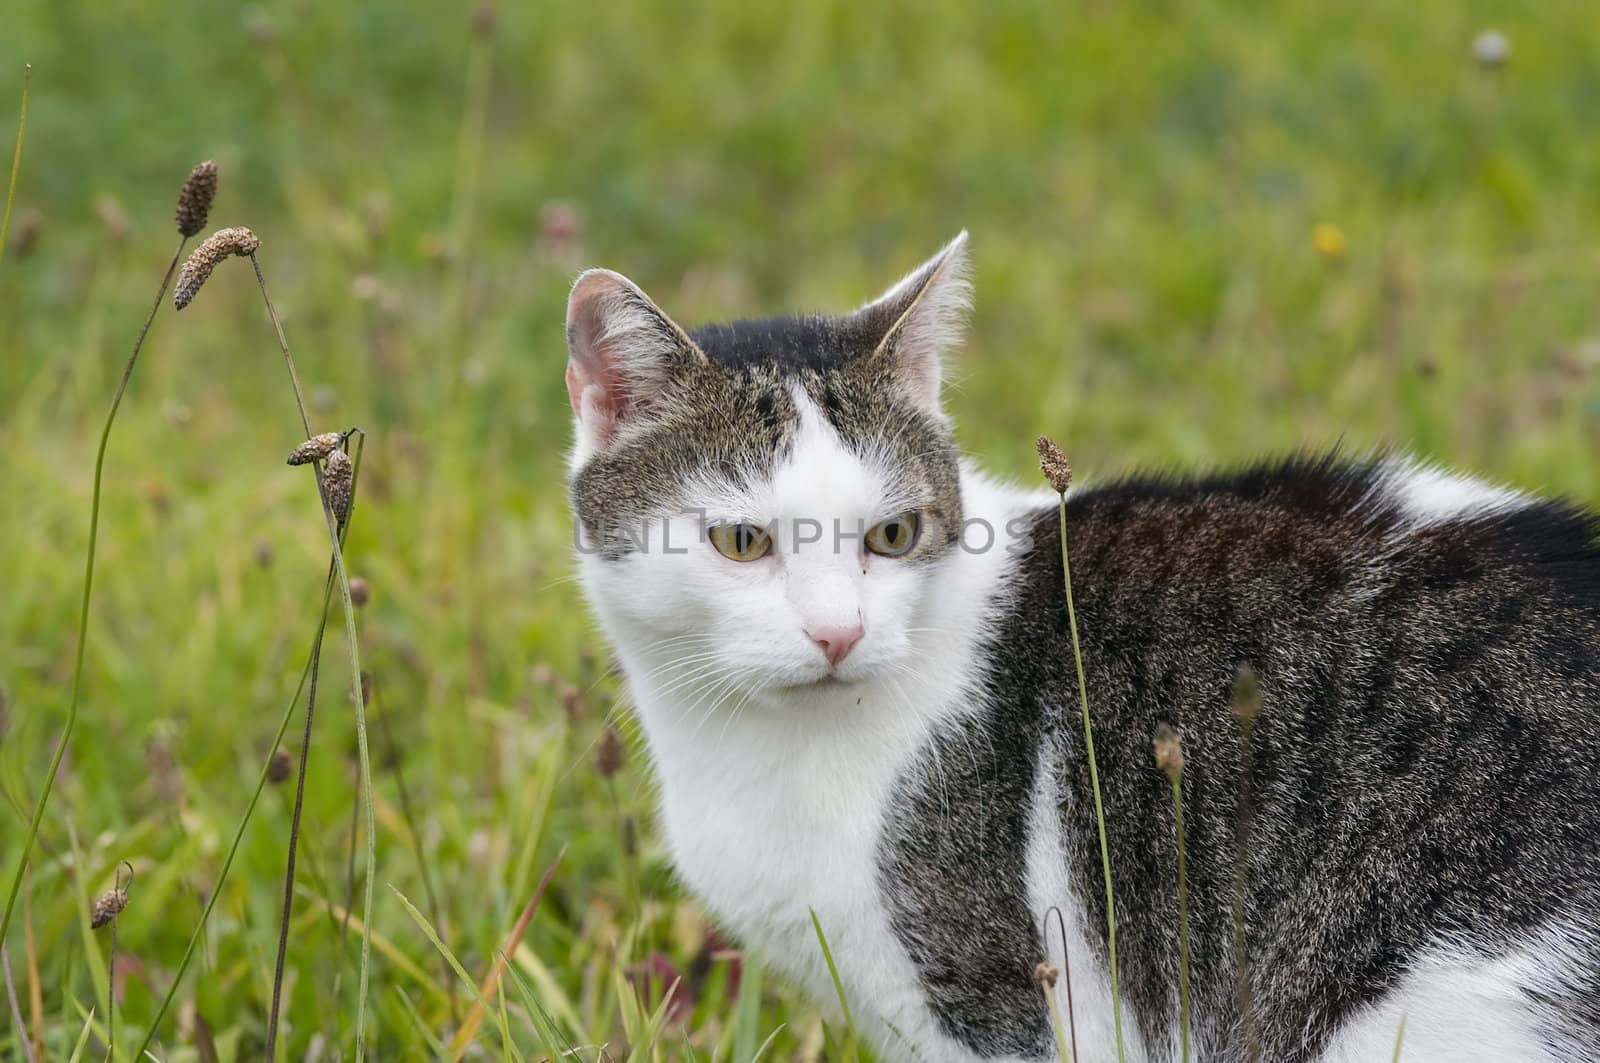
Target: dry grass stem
108,908
1058,471
294,834
1169,761
1066,974
16,1008
220,245
491,982
1246,704
335,528
88,592
194,201
244,822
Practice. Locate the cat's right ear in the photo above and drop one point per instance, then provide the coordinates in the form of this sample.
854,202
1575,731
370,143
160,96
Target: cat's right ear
621,348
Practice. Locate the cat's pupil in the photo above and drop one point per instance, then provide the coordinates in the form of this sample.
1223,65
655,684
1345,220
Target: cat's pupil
744,537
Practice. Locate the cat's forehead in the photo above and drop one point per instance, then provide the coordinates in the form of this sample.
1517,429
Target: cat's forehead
788,345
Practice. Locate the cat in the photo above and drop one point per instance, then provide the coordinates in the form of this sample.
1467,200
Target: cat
851,659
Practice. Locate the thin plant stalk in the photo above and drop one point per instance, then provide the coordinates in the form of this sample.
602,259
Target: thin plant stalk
1055,1023
469,154
31,944
88,589
244,821
16,1008
1094,779
1399,1039
355,675
343,922
1183,922
111,964
294,835
1066,973
16,164
1243,814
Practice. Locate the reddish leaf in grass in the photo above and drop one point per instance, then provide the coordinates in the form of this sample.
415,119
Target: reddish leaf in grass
651,980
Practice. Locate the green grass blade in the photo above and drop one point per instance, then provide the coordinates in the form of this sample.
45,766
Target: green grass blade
838,987
83,1038
1399,1039
455,964
435,1046
556,1044
16,161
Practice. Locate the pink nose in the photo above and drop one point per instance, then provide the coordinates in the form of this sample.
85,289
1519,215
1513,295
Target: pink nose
836,641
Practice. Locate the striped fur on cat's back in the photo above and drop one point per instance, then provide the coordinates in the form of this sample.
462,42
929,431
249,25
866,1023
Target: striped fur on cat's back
850,656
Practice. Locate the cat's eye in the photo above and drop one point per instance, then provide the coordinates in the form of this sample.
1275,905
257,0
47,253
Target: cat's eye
740,542
896,535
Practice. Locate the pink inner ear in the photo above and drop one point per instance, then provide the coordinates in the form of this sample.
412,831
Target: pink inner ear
597,394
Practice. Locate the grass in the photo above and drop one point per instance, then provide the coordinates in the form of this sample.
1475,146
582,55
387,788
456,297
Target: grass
1142,186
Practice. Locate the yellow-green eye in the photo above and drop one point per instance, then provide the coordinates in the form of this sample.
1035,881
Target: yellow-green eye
740,542
896,535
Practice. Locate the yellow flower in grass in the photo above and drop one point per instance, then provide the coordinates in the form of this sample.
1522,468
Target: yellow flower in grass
1328,240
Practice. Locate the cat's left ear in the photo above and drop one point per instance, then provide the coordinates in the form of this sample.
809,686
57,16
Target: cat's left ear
921,317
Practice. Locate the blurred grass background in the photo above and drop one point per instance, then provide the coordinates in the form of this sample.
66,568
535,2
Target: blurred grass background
1201,232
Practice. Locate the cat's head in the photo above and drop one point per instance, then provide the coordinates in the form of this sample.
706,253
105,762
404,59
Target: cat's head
761,506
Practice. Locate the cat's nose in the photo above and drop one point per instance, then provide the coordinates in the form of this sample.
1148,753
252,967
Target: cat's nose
836,640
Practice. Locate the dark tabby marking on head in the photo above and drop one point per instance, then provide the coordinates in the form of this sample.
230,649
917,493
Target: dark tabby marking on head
1427,762
720,399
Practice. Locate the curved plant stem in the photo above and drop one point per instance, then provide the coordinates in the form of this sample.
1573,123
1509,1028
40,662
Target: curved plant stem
355,678
294,833
16,162
1183,922
88,587
1094,781
111,966
1066,974
244,821
16,1009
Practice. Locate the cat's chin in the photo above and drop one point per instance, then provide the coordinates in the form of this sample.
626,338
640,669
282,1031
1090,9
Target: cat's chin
828,683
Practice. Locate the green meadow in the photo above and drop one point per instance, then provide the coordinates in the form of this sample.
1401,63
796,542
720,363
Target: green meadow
1201,233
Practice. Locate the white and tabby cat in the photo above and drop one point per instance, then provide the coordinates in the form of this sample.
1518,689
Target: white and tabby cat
850,656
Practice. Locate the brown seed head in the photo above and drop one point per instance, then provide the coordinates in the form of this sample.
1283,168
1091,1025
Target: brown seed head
338,480
1169,752
1057,469
280,767
571,699
360,593
30,224
610,753
113,217
1045,974
316,448
543,675
483,18
1246,694
203,259
194,202
106,907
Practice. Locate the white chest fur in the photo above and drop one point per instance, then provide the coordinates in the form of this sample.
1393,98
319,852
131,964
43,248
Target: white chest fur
775,811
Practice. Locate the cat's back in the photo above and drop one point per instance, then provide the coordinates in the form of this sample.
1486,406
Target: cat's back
1422,772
